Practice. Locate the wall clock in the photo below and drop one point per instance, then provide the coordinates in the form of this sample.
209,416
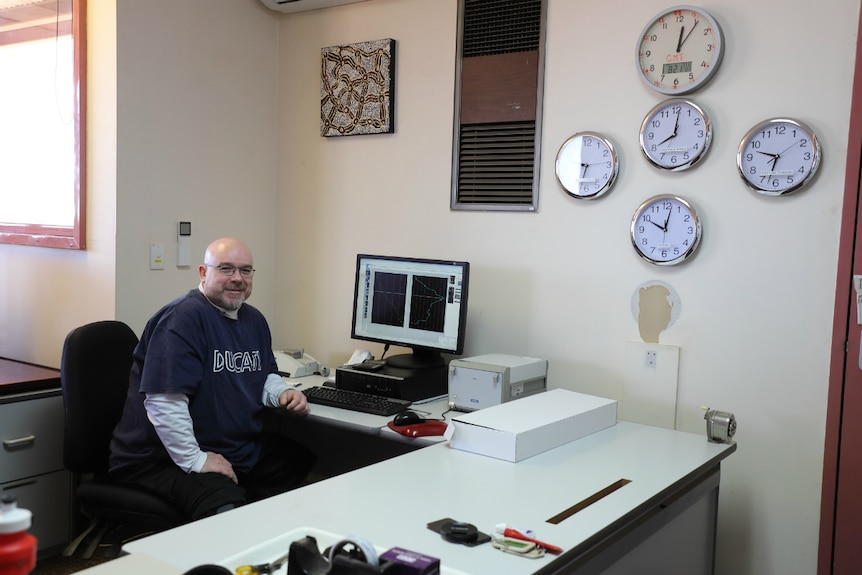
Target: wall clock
778,156
675,134
679,50
665,230
587,165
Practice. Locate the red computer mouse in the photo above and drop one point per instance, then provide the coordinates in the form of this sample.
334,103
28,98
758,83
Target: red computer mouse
426,428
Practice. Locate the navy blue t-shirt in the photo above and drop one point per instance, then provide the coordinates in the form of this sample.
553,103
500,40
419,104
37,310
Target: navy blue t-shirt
190,347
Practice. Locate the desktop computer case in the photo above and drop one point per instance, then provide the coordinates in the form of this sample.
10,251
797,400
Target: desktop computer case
398,383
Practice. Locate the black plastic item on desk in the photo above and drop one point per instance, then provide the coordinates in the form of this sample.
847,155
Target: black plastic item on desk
304,558
208,569
459,532
355,400
369,365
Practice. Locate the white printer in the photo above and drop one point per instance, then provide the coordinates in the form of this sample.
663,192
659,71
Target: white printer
494,378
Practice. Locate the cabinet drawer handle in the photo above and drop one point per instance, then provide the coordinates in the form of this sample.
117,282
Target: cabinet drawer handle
20,442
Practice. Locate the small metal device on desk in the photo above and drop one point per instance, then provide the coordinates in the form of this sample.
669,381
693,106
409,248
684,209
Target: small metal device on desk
720,426
492,379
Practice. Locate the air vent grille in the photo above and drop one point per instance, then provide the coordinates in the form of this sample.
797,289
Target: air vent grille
501,26
496,164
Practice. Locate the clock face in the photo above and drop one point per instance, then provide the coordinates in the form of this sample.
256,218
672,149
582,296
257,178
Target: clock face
679,50
665,230
587,165
675,135
778,156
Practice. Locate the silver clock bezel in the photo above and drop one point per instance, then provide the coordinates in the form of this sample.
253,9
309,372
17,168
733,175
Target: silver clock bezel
710,73
698,233
696,158
614,160
772,192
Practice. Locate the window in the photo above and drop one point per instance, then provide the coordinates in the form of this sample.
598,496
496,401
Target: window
42,111
499,104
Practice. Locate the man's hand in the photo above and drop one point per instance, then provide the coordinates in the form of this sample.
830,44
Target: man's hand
294,401
216,463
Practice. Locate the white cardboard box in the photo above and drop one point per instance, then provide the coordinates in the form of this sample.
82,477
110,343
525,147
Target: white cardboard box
520,429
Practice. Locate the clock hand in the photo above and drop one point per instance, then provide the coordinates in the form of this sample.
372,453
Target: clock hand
671,137
682,40
787,148
584,169
675,128
656,225
775,157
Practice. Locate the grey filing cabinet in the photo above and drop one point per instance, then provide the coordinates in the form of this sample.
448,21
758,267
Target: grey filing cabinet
31,463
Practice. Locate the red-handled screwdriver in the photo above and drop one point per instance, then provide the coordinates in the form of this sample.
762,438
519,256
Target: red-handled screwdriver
515,534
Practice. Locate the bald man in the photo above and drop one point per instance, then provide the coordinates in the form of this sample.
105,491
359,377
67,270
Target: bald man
202,373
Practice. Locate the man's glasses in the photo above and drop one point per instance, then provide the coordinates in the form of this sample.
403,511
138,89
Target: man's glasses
228,271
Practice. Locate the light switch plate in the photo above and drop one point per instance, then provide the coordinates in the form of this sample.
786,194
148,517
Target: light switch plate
157,256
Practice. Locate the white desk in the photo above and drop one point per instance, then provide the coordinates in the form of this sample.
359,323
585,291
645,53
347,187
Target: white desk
348,440
365,422
674,485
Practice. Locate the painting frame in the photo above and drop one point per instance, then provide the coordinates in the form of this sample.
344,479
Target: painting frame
357,89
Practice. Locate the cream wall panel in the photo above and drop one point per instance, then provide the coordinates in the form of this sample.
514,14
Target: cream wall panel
755,324
49,292
196,141
214,116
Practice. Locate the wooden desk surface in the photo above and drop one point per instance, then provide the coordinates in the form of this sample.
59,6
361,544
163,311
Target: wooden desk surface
18,376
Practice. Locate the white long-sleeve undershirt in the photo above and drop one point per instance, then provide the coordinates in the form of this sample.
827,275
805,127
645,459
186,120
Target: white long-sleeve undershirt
169,414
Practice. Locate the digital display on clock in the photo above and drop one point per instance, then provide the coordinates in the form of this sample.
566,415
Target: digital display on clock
676,68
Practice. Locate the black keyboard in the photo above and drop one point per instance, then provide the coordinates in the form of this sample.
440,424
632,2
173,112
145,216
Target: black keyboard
355,401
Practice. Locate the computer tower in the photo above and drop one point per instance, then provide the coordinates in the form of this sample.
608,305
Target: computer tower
399,383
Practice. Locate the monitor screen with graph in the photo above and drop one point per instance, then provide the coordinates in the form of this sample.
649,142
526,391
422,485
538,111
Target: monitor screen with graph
411,302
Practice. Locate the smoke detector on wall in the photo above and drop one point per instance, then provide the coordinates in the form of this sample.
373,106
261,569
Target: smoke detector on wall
303,5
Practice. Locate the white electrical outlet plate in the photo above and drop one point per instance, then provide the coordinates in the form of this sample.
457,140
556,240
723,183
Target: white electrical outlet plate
649,358
650,386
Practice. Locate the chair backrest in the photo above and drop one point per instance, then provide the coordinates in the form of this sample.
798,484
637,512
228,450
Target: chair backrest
94,373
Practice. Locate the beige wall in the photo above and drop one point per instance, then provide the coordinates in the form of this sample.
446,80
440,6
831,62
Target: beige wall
756,301
47,292
213,114
181,126
196,141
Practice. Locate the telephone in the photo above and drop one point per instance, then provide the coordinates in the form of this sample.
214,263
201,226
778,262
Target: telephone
297,363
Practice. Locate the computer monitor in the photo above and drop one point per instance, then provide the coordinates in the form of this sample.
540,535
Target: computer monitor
411,302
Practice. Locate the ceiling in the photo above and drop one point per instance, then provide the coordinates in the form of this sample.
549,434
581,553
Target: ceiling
28,20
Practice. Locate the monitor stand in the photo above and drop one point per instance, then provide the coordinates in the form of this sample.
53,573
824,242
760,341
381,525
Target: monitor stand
419,360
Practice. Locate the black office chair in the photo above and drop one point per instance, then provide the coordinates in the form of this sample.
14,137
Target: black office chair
94,373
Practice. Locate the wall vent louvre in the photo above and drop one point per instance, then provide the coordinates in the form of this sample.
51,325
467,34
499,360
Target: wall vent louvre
499,82
501,26
496,163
